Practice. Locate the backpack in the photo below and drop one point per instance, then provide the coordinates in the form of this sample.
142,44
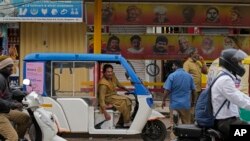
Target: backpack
203,108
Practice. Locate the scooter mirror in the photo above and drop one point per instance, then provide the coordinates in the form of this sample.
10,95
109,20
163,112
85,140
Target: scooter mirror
26,82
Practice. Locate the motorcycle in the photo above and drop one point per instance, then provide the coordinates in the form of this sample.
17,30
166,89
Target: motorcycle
192,132
44,125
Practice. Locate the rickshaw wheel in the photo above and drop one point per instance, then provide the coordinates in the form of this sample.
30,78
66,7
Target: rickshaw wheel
154,130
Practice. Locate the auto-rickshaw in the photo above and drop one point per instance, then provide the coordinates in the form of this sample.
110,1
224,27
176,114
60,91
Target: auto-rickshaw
69,82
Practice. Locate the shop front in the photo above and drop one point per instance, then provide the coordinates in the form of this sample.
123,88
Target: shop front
40,26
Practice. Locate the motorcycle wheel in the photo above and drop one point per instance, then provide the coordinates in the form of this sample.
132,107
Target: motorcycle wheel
154,130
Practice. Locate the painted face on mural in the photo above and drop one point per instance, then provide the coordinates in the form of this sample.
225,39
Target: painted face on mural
188,14
207,43
184,44
235,15
161,46
160,15
229,43
114,44
133,13
107,13
212,14
136,44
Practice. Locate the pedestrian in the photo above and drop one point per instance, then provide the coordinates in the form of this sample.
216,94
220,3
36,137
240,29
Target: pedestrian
179,86
10,109
195,65
225,90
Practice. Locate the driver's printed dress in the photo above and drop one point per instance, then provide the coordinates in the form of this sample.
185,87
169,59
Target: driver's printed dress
107,94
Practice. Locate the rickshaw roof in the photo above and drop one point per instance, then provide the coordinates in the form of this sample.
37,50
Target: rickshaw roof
72,57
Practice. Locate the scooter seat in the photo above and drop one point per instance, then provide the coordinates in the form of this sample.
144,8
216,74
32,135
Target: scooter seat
187,130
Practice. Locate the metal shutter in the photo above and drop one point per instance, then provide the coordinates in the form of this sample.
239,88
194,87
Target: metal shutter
139,66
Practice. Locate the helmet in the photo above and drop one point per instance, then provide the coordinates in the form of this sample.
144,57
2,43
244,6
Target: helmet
231,59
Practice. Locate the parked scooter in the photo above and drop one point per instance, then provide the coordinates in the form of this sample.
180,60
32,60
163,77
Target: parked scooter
44,127
192,132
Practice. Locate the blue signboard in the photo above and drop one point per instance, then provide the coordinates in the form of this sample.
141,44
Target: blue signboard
41,11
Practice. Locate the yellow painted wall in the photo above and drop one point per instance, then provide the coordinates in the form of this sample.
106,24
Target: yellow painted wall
51,37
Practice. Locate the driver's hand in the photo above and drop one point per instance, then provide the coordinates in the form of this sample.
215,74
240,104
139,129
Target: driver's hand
107,116
17,106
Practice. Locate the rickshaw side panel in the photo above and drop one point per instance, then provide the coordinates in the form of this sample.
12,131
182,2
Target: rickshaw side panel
57,110
76,113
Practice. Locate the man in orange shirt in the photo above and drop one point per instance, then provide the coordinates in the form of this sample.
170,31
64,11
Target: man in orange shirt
195,65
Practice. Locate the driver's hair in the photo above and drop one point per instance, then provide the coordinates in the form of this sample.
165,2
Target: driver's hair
106,66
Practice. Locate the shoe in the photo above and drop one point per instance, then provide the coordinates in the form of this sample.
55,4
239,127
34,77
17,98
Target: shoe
127,125
118,125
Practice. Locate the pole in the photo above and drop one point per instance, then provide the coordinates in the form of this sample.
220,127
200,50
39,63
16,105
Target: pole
98,26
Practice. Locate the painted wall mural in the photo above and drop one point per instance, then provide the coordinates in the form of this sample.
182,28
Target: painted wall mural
162,46
174,14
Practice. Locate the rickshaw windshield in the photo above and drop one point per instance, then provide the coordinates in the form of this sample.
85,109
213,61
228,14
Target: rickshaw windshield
70,78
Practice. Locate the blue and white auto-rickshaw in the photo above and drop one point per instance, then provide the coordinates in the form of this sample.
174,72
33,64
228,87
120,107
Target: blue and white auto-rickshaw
68,83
